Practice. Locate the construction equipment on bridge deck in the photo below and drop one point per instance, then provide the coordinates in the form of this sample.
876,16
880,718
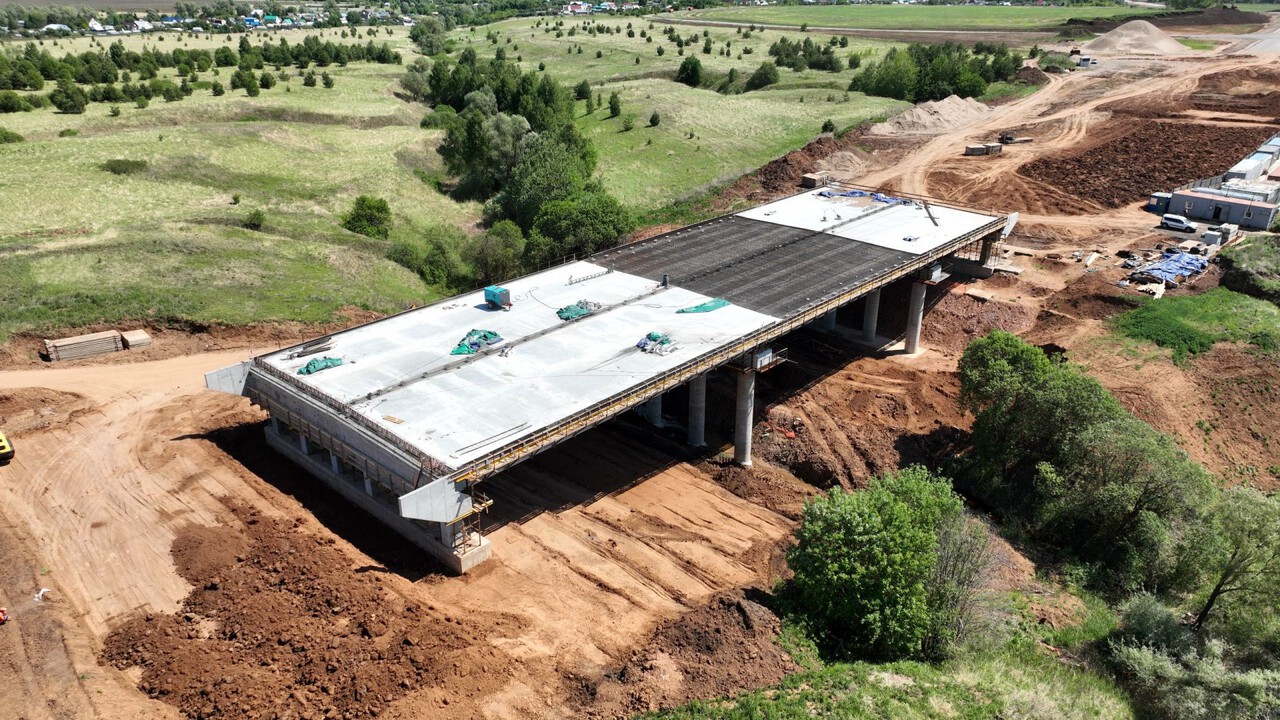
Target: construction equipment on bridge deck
497,298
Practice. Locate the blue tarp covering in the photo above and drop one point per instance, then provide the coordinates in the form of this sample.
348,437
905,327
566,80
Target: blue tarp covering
860,193
1176,265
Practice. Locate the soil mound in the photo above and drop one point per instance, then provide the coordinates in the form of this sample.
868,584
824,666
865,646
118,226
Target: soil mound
933,117
1125,168
1138,37
278,625
1031,76
722,648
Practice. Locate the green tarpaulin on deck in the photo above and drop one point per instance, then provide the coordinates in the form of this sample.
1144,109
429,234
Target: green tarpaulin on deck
475,341
319,364
708,306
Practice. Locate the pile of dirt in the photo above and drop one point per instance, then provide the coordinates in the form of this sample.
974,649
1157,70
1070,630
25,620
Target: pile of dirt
26,410
720,649
869,418
846,164
1137,37
933,117
768,486
957,319
1135,163
278,625
1030,76
785,172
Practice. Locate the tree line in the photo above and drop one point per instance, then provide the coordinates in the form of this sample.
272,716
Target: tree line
922,73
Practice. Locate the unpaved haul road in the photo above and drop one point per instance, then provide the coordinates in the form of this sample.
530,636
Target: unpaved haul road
1063,112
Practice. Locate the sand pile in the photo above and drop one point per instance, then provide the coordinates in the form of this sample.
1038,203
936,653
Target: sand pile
932,117
1138,37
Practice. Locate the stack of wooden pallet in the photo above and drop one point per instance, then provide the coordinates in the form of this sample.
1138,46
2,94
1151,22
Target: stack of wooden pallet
84,345
136,339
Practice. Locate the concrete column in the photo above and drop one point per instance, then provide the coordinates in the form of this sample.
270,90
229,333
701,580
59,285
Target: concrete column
915,316
988,244
368,486
653,410
302,443
745,419
828,322
335,464
698,410
275,425
871,316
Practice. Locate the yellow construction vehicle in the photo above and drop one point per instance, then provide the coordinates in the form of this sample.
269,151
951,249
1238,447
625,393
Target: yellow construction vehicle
6,449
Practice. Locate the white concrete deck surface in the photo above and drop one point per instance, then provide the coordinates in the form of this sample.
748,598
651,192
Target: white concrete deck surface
467,411
906,228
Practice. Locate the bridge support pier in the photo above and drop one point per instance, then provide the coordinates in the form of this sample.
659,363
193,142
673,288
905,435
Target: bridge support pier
828,322
745,417
871,316
988,246
653,410
915,316
698,410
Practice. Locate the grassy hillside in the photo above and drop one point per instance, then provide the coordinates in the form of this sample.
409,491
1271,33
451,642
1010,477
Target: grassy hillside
703,137
913,17
91,246
167,242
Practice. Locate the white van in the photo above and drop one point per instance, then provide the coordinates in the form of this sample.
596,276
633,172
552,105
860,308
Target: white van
1177,222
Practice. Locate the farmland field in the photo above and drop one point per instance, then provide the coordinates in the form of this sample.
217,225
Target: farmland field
913,17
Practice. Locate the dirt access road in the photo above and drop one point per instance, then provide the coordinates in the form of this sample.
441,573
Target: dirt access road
119,465
1066,116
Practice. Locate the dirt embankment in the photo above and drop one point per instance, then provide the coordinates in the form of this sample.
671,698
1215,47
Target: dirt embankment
1139,158
1197,19
719,649
279,626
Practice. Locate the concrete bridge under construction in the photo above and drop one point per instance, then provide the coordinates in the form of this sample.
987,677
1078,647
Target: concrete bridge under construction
406,428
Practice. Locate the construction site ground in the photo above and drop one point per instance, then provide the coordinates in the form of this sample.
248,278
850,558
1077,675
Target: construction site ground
193,573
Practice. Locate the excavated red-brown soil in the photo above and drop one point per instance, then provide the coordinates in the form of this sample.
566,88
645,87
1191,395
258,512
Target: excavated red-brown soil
719,649
26,410
1238,94
279,626
1135,159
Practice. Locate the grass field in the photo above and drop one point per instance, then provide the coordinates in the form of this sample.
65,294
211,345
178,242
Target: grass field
1190,324
91,246
912,17
166,243
1196,44
703,137
192,41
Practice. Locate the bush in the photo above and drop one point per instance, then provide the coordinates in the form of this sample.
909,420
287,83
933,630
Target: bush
255,220
69,98
628,122
68,132
141,102
309,80
11,102
829,126
235,198
327,80
218,89
765,75
690,72
436,255
1146,622
8,137
654,119
1194,686
582,224
114,111
615,105
122,166
369,216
